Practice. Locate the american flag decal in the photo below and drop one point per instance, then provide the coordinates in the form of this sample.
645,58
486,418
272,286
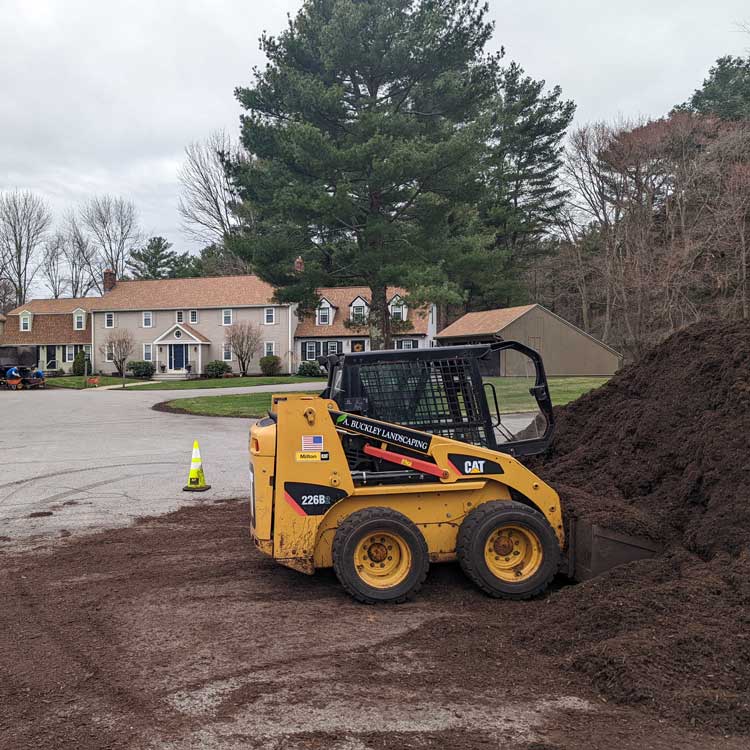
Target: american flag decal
312,442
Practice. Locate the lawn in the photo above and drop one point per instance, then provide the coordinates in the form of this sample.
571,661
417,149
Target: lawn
249,405
180,385
512,394
78,381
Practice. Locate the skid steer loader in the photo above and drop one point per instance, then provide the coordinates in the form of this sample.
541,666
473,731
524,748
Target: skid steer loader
405,460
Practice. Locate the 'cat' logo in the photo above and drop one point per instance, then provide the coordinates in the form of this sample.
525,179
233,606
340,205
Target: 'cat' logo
473,467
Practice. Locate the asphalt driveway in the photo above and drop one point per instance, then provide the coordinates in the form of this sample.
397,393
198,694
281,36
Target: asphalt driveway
77,460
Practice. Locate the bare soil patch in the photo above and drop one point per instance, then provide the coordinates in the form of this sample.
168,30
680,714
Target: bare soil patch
175,633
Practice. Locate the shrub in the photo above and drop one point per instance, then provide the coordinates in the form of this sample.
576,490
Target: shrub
79,363
309,369
142,369
270,364
217,369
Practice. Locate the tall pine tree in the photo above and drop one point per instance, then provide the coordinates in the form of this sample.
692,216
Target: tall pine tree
157,261
365,133
523,198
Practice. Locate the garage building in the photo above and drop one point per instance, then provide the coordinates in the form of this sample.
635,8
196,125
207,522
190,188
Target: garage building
566,349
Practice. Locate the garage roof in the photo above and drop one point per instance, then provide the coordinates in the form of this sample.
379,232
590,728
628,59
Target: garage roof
485,323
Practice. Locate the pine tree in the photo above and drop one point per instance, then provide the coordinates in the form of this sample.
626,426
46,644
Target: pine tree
524,197
154,261
365,133
726,91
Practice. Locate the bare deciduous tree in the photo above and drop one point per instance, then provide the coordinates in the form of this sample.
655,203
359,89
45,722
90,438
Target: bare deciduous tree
80,257
24,222
117,348
208,196
244,338
53,269
113,225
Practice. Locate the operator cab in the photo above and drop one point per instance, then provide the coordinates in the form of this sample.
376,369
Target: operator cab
490,395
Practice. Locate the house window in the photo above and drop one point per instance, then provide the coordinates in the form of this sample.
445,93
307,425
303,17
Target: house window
193,316
332,347
25,323
70,353
180,316
310,349
178,334
358,345
270,316
407,344
270,348
109,322
227,352
397,312
147,353
226,317
148,319
109,353
79,321
358,313
87,350
324,316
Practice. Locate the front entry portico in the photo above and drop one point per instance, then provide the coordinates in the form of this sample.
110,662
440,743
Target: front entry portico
178,352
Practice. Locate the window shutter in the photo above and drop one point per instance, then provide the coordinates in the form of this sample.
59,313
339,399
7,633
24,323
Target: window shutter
339,347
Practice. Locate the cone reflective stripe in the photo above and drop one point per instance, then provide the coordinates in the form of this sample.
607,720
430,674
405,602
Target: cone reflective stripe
196,478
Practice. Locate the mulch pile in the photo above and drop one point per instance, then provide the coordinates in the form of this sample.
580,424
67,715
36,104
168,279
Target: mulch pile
662,451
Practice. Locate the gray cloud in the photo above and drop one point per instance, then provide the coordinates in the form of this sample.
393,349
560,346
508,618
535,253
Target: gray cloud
103,96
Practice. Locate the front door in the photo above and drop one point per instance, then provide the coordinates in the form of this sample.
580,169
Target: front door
177,356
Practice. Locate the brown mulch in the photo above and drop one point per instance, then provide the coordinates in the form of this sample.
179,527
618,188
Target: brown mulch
662,451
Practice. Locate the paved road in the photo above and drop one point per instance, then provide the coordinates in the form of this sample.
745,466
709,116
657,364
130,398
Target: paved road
98,459
78,460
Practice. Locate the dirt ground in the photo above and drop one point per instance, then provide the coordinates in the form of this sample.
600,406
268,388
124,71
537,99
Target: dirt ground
175,634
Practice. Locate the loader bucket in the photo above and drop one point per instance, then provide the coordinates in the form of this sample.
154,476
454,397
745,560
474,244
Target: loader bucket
594,549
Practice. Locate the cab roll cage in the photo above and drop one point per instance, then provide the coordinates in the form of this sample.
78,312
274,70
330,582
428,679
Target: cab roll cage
438,390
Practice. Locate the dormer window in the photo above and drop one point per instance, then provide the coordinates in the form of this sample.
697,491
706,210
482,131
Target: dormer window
79,320
25,322
398,309
358,313
324,313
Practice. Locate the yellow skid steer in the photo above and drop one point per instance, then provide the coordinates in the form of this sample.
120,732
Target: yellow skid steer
401,462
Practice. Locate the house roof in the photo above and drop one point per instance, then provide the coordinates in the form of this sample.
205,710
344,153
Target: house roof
485,323
341,298
165,294
45,329
171,294
55,306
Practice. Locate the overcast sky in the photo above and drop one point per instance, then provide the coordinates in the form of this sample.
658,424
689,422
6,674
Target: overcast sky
101,96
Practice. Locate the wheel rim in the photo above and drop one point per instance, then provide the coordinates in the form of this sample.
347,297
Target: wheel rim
382,559
513,553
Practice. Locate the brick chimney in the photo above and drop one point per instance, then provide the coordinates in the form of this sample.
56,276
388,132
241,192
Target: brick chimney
299,264
110,279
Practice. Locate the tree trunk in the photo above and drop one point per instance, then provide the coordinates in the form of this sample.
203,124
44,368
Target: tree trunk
380,319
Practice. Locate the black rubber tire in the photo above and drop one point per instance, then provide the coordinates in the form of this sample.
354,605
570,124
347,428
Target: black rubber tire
358,525
472,537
